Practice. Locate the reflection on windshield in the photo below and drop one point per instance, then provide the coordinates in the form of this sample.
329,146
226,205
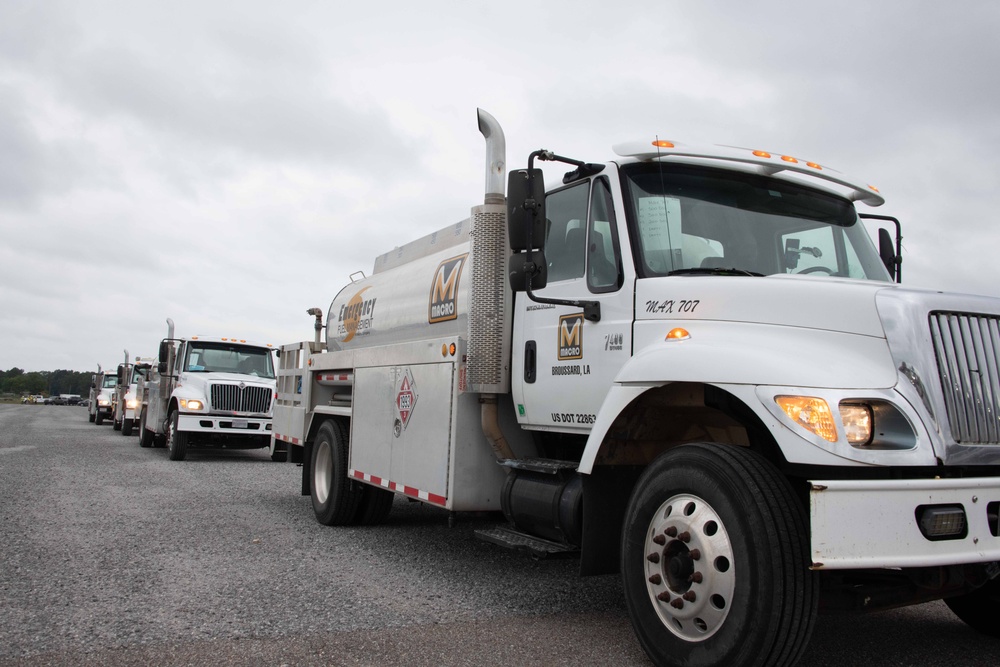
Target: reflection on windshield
229,358
700,220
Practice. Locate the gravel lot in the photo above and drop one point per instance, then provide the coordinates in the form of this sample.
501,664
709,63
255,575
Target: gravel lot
113,555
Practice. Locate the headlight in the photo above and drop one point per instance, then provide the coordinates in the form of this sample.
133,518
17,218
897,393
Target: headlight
131,403
857,420
103,401
191,404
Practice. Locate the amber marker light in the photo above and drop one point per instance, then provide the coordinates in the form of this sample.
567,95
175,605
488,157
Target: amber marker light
452,349
814,166
789,158
873,188
659,143
811,413
762,154
677,333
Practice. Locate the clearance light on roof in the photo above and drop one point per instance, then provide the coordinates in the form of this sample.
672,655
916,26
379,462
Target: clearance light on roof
764,154
814,165
659,143
678,333
873,188
789,158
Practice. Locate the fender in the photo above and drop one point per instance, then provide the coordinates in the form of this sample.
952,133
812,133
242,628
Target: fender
741,353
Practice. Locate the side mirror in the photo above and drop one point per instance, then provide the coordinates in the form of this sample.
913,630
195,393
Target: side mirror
526,209
161,367
164,351
523,265
887,252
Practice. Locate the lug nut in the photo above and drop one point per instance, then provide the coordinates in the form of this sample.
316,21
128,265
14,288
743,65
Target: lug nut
660,539
690,596
653,557
656,580
671,532
684,537
696,578
695,554
677,603
663,597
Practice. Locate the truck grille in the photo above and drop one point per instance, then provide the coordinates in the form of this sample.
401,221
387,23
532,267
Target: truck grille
967,347
234,398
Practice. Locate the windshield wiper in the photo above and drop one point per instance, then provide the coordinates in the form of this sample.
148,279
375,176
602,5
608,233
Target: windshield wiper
713,271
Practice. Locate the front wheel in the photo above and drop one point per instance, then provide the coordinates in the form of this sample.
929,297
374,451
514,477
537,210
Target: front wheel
279,451
335,498
98,418
715,561
177,440
127,426
979,608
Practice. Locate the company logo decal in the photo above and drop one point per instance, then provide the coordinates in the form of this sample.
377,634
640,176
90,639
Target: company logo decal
406,399
356,317
571,337
444,290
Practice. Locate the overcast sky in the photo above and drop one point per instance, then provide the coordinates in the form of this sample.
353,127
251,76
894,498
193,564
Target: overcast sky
230,164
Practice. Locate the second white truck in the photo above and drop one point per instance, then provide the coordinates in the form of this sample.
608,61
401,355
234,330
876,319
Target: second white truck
207,392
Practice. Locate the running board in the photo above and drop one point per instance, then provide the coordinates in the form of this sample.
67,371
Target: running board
535,546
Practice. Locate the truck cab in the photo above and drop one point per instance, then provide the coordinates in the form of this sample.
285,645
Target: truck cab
208,392
126,400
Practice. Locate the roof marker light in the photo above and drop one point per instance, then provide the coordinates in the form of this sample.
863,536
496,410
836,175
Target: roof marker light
873,188
789,158
660,143
678,333
814,166
762,154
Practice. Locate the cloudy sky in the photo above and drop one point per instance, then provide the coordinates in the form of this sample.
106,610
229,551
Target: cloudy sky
230,164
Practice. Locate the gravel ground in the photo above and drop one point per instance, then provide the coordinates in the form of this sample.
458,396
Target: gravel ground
113,555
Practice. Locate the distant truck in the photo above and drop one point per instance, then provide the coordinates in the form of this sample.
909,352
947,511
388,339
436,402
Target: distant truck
125,402
102,387
207,392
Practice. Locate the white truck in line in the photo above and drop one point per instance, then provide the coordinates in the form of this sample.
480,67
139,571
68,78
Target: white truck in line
126,402
692,366
207,392
102,389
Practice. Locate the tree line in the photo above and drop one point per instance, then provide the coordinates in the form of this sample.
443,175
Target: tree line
51,383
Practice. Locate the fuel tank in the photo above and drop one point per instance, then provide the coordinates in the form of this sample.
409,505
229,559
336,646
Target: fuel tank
417,291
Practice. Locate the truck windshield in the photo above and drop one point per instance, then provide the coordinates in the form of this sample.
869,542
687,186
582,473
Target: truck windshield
229,358
110,381
689,219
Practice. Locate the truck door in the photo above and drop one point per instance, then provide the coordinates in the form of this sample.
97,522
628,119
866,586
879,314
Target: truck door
563,364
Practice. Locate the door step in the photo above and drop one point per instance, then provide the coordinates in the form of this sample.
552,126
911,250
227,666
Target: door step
535,546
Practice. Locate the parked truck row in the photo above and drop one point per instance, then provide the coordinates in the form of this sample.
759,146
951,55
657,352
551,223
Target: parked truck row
689,365
200,392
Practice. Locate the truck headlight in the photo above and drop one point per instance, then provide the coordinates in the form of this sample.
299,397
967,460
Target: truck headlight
857,420
811,413
191,404
103,401
131,403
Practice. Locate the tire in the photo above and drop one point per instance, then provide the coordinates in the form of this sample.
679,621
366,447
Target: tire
335,497
279,451
978,609
145,437
715,557
98,418
127,426
116,425
177,441
376,504
92,416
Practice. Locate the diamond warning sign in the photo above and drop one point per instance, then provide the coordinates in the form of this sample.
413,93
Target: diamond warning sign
406,397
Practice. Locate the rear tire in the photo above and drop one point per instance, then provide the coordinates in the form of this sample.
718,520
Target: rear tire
376,504
335,497
979,608
127,426
145,437
715,561
177,440
98,418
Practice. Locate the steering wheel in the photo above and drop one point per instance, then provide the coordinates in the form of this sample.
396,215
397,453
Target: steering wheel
817,269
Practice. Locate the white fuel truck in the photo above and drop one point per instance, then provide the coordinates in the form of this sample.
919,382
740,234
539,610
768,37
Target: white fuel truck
692,366
207,392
